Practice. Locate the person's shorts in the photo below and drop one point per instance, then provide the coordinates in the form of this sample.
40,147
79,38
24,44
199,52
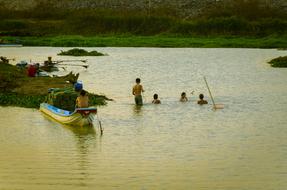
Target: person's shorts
138,100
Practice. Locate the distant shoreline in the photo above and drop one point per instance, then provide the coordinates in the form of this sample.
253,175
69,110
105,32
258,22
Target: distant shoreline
11,45
153,41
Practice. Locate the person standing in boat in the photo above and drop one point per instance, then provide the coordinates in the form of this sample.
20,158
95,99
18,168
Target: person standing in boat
49,62
82,100
137,92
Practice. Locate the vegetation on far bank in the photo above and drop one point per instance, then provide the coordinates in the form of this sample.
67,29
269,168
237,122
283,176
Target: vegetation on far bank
154,41
144,26
279,62
247,19
17,89
80,52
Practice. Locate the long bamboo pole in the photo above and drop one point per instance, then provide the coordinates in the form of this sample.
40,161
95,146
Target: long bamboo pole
209,93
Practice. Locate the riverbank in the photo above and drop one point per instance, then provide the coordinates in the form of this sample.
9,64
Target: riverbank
153,41
17,89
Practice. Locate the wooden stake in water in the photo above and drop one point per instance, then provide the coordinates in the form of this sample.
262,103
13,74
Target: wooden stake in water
214,105
100,125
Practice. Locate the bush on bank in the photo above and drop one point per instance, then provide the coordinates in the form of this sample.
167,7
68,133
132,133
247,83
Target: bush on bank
17,89
279,62
80,52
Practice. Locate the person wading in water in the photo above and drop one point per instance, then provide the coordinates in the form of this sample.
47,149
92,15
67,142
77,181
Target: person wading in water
183,97
201,101
155,99
137,92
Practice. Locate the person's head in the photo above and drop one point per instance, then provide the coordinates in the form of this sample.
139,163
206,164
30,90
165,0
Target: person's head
155,96
138,80
183,94
49,58
201,96
83,93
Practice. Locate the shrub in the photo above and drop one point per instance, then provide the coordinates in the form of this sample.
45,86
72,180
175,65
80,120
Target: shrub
279,62
80,52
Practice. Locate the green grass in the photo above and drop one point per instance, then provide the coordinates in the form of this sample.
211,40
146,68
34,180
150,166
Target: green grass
154,41
257,27
80,52
238,18
34,101
17,89
21,100
279,62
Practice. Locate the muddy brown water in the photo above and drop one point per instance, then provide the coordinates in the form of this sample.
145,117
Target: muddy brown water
169,146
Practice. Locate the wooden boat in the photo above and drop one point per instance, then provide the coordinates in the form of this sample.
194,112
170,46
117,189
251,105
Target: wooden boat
49,68
80,117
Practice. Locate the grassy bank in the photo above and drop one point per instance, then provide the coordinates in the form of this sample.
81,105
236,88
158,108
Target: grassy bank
17,89
80,52
21,100
153,41
279,62
34,101
92,23
239,23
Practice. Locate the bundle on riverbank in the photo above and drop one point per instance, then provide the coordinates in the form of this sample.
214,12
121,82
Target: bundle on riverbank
279,62
80,52
17,89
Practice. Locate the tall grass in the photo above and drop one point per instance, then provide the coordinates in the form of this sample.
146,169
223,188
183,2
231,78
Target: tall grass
27,101
154,41
279,62
238,18
34,101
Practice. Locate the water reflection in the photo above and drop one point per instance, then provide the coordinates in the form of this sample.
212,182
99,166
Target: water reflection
82,131
137,110
85,137
85,140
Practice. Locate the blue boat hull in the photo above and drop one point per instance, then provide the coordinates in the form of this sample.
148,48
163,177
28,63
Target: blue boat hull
80,117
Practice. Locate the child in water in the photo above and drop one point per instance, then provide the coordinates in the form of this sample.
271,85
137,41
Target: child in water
155,99
201,101
183,97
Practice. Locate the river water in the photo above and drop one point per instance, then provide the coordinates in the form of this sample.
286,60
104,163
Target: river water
169,146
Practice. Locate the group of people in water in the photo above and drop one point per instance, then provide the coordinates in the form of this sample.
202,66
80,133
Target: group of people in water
82,100
138,90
